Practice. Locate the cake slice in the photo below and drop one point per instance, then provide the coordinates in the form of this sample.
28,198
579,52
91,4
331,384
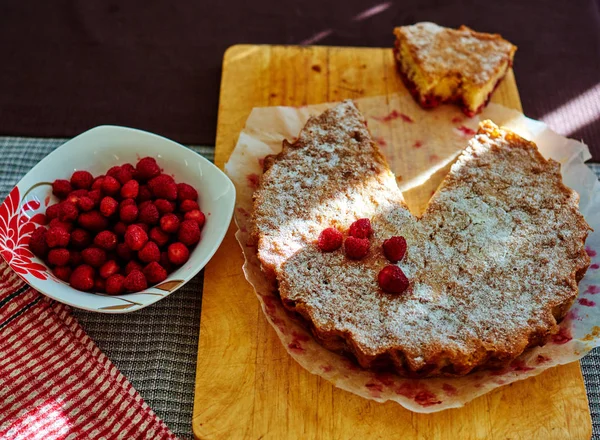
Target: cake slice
492,264
439,64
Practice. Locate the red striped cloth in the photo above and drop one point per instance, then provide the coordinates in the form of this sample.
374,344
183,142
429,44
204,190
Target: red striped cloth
54,381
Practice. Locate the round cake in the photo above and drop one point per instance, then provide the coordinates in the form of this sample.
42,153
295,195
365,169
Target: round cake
493,263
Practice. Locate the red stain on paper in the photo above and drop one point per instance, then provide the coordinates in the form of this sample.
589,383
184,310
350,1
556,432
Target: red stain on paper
562,337
466,130
394,114
418,144
449,389
586,302
375,389
590,251
541,359
520,365
592,289
380,141
253,180
418,392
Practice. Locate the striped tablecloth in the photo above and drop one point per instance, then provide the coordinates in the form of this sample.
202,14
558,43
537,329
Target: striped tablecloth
155,348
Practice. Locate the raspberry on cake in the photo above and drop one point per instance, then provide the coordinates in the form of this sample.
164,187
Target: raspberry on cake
439,64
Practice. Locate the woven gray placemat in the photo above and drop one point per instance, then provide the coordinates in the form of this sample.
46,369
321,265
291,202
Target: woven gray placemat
155,348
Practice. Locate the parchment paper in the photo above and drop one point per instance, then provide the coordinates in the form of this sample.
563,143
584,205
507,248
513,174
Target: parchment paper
409,135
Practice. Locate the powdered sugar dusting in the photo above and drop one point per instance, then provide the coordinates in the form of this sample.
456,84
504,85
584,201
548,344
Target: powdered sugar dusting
488,241
476,55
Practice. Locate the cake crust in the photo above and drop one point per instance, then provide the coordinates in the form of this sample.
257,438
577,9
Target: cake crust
440,65
493,263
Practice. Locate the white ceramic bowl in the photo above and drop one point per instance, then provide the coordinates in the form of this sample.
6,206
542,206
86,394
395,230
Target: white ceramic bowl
97,150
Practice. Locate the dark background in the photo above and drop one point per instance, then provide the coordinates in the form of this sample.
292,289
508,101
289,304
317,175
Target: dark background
67,65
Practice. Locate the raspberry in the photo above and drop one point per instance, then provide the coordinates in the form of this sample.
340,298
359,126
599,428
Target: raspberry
148,214
131,266
356,248
99,285
178,253
62,272
158,236
95,257
135,237
123,175
189,232
37,242
109,268
186,192
112,171
144,204
164,206
146,169
129,168
110,186
155,273
80,238
391,279
163,187
197,216
169,223
56,223
149,252
58,257
92,221
144,194
115,285
128,213
82,180
76,258
165,262
130,189
135,281
97,184
188,205
361,228
95,195
82,278
76,195
124,253
52,211
127,202
86,204
68,212
144,226
108,206
394,248
120,229
57,237
61,188
330,240
106,240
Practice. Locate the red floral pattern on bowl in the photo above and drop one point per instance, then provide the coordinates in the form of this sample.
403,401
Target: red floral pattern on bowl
18,220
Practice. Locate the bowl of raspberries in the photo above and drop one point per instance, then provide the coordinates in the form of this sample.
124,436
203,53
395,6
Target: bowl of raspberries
115,219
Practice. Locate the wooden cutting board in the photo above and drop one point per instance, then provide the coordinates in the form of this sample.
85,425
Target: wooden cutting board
247,386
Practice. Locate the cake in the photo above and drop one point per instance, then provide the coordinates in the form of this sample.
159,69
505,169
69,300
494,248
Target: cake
439,64
493,263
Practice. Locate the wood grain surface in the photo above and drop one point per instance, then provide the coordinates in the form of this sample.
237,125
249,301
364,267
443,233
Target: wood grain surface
247,387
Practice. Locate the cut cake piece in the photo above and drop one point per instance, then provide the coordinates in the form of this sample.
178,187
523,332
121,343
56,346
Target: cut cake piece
440,64
493,263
